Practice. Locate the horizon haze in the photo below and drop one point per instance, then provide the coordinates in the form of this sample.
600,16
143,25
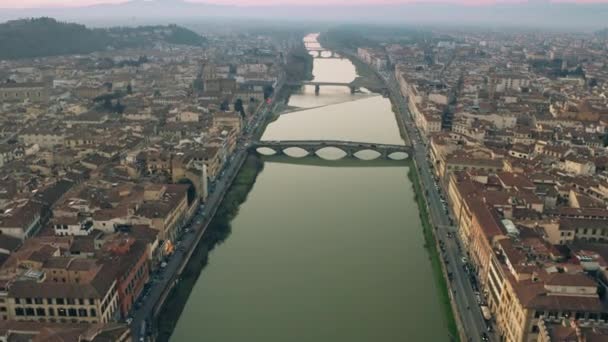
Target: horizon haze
536,14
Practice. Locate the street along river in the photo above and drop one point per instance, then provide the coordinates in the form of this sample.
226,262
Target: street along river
321,250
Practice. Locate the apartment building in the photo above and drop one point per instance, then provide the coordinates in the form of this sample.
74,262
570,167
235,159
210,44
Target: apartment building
36,92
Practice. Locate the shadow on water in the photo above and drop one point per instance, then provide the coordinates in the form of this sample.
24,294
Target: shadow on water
217,232
345,162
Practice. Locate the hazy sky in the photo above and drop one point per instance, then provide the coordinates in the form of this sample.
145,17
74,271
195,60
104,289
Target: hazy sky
72,3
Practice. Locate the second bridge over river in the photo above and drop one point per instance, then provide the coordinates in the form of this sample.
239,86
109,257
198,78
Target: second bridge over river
351,85
350,148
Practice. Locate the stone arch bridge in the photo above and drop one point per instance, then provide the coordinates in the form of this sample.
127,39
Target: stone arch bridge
386,151
317,85
324,54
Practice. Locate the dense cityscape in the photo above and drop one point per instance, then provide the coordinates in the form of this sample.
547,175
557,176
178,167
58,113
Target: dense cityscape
130,159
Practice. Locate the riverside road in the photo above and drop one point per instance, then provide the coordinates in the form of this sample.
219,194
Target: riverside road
151,302
473,323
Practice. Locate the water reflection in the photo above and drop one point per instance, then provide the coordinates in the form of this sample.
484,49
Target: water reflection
366,120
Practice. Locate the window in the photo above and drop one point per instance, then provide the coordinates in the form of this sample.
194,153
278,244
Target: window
82,312
61,312
80,301
29,311
28,300
91,301
72,313
2,308
93,313
51,312
38,300
535,329
71,301
19,312
17,301
40,312
537,314
49,301
60,301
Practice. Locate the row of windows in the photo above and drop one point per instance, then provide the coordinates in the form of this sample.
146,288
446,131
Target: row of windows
576,315
136,278
61,312
595,231
111,305
38,94
59,301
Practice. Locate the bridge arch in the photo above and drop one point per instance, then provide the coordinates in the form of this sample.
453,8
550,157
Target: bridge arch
398,156
367,154
315,53
266,151
295,152
330,152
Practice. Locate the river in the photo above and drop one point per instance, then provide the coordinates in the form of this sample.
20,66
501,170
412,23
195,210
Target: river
322,250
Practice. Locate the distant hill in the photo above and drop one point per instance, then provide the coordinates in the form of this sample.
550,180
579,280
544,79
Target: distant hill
42,37
585,16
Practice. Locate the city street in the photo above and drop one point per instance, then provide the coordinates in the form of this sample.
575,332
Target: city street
463,293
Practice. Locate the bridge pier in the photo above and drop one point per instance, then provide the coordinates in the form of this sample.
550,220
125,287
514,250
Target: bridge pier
317,89
350,153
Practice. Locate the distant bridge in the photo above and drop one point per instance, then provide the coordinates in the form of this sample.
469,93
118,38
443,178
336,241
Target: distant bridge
350,148
318,85
324,54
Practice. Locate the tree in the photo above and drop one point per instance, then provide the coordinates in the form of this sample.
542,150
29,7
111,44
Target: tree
198,84
268,90
225,106
119,107
191,194
238,106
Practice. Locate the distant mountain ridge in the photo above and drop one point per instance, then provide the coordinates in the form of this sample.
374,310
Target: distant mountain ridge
533,14
41,37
